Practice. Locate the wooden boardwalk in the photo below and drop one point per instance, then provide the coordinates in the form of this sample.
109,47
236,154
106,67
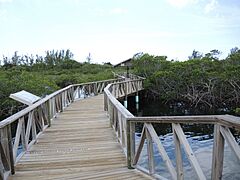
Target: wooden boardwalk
80,144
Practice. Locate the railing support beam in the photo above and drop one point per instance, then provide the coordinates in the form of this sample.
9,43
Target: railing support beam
218,154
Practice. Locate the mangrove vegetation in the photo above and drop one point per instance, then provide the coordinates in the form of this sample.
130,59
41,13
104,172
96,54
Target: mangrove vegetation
42,75
202,82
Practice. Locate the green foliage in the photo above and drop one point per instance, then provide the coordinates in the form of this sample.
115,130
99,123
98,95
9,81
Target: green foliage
204,82
14,80
237,111
44,75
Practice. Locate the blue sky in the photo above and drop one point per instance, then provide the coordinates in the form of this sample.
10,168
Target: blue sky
114,30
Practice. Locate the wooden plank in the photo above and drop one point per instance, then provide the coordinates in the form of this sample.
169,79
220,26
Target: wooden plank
34,130
32,107
4,158
29,125
10,147
155,176
161,150
121,139
23,136
77,148
140,146
5,153
218,154
129,153
151,163
178,154
230,140
189,152
17,138
175,119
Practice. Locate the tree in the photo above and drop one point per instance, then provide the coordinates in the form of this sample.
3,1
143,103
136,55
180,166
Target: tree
234,50
213,54
89,58
195,55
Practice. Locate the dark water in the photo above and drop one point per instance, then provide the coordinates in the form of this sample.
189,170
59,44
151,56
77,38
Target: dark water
200,138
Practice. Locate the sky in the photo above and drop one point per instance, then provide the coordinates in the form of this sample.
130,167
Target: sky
115,30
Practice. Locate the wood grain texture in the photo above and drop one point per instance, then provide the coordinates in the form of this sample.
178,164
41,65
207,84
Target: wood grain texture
80,144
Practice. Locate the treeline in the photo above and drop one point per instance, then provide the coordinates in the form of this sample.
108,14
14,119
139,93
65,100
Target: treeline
203,81
42,75
50,60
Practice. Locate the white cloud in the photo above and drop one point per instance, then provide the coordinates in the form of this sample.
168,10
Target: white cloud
181,3
211,6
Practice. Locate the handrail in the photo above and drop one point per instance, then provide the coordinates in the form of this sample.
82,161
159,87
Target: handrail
123,122
33,120
21,130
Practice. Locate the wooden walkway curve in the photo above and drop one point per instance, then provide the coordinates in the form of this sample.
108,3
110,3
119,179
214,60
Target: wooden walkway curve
80,144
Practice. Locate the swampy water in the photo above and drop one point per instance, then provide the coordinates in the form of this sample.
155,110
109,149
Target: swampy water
200,138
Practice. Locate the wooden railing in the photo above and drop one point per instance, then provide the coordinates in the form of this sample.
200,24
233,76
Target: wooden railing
124,123
21,130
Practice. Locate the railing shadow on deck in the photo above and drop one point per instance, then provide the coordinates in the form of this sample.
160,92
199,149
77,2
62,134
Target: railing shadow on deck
21,130
124,123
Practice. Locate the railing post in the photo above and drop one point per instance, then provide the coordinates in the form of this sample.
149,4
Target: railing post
151,164
126,94
49,112
5,167
110,112
10,146
130,144
61,102
218,154
95,89
179,164
105,102
132,139
23,135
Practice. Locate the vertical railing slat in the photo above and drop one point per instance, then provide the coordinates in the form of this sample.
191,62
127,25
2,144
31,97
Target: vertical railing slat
151,163
189,152
178,152
218,154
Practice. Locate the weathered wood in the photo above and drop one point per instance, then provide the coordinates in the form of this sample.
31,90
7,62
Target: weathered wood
69,89
42,112
121,119
218,154
193,160
132,139
140,146
176,119
4,152
155,176
17,138
151,163
10,147
23,135
129,157
48,113
161,150
178,154
79,145
230,140
29,126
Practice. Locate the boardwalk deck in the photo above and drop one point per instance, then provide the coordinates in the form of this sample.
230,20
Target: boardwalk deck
80,144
